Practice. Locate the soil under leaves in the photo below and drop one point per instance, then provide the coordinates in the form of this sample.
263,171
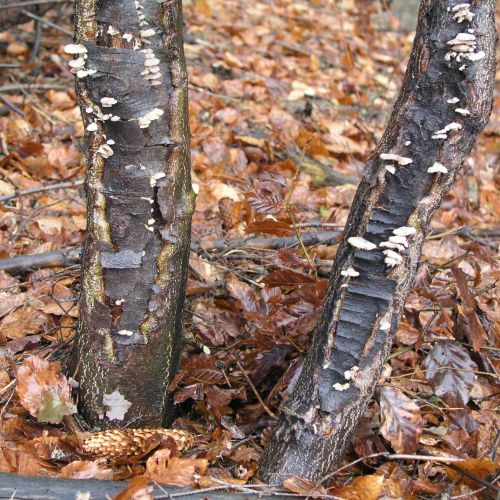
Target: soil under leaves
287,99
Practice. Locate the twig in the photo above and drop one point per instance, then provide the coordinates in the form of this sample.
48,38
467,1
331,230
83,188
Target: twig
39,189
14,87
17,5
47,22
254,389
12,106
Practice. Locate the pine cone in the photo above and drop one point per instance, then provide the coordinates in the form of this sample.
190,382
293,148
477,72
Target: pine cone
124,443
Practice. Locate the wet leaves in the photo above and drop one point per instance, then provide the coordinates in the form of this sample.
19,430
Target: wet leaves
401,421
450,372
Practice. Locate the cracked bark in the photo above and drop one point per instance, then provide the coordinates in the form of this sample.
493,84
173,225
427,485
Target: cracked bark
140,203
361,313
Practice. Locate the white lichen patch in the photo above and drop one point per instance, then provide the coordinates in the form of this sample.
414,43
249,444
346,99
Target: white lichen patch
461,12
404,231
107,102
361,243
154,114
350,272
401,160
437,168
117,406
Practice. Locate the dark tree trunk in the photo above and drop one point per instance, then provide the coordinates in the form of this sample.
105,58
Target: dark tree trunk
132,87
445,102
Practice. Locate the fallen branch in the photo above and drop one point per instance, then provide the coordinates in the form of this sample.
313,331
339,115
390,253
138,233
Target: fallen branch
40,189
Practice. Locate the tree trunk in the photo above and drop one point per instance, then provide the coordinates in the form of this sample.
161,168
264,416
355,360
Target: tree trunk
444,103
132,87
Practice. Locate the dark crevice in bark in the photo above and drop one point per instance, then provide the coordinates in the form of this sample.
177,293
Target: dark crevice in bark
445,102
132,86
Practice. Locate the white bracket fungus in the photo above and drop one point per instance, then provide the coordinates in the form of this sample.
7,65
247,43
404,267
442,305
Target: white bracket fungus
154,114
384,326
463,46
392,258
74,48
92,127
119,303
349,272
443,133
125,333
340,387
437,168
404,231
390,168
350,374
397,158
155,177
361,243
462,12
462,111
117,405
147,33
107,102
105,151
453,100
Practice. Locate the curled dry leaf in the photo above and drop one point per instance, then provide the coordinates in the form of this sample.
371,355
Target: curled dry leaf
306,487
43,390
449,370
362,488
401,420
139,488
165,469
83,469
480,467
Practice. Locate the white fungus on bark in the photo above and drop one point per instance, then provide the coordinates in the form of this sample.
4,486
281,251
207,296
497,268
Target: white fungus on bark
340,387
125,333
385,325
453,100
437,168
462,12
361,243
390,168
350,374
75,48
462,111
107,102
105,151
349,272
154,114
147,33
92,127
155,177
397,158
404,231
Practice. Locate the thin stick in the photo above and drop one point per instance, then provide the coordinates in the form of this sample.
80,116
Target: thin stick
17,5
254,389
39,189
47,22
14,87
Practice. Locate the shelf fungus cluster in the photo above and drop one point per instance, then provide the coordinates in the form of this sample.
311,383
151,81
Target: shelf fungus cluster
461,12
152,71
396,244
78,64
394,160
443,133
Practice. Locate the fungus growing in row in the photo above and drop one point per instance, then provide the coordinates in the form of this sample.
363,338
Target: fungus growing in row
462,12
361,243
401,160
437,168
350,272
462,111
350,374
92,127
147,33
105,151
112,31
463,47
443,133
404,231
340,387
107,102
392,258
126,333
154,114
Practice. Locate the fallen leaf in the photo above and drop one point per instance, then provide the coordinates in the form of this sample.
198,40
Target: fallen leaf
449,371
83,469
480,467
362,488
43,390
401,421
306,487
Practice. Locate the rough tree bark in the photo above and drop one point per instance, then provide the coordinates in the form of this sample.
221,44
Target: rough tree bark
444,103
132,88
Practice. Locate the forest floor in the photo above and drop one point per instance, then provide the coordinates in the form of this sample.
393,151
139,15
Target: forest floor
287,100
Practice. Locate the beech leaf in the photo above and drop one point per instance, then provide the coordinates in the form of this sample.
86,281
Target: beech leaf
449,372
401,420
43,390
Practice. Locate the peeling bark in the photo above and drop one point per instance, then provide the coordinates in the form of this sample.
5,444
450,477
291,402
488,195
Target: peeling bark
445,102
132,88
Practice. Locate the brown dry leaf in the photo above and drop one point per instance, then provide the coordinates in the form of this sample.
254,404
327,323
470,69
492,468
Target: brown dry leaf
139,488
401,420
83,469
304,487
21,322
480,467
362,488
203,8
449,370
164,469
43,390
